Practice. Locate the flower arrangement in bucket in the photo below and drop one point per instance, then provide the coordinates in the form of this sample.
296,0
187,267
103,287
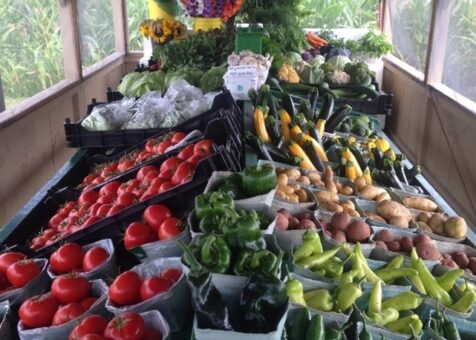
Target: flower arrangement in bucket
161,31
210,14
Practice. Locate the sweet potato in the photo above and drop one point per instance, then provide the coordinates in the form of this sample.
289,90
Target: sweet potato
420,203
472,265
293,223
421,239
358,231
461,259
449,263
455,227
285,212
381,244
406,243
282,222
339,236
306,224
390,209
393,245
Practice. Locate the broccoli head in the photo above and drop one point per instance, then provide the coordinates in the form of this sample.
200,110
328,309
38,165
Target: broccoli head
359,72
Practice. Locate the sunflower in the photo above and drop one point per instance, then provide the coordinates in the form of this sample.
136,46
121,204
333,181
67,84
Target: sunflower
180,31
145,29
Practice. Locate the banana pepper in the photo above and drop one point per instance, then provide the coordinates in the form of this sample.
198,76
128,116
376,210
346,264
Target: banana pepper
311,246
406,325
403,301
448,279
319,299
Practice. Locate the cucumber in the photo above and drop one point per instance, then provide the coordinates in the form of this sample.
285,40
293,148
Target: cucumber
339,115
327,107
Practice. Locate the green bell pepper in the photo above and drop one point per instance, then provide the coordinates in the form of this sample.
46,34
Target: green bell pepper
249,261
215,223
213,203
232,186
258,180
211,251
245,233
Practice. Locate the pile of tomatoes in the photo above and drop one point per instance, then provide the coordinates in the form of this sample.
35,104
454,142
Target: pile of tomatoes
70,257
70,297
16,271
158,224
126,325
153,147
151,180
129,289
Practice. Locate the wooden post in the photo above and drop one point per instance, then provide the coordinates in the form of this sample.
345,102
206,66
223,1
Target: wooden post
435,56
68,16
2,99
119,18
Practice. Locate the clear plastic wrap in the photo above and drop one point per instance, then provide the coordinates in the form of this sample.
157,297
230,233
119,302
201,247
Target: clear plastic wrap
151,111
109,116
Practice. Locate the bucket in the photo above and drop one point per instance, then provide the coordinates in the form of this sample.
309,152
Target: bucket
206,24
167,10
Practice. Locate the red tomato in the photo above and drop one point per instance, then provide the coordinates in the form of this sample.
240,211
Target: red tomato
67,207
96,181
151,175
171,274
125,165
177,137
38,311
93,324
126,199
184,173
125,290
203,148
139,191
89,179
91,220
166,186
186,152
9,258
127,325
137,234
66,313
144,155
66,258
106,199
110,188
110,170
152,334
146,196
88,302
21,273
161,148
115,209
88,197
145,170
103,210
70,288
56,220
170,164
194,159
155,185
93,258
93,337
155,214
150,145
166,175
93,209
169,229
153,286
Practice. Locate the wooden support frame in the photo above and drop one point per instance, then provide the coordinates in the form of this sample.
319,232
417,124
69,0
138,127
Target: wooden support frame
2,98
119,18
70,41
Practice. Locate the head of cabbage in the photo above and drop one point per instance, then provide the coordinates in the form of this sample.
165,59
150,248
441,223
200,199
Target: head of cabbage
338,62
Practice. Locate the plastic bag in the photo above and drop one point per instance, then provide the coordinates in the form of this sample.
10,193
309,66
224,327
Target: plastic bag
109,116
151,110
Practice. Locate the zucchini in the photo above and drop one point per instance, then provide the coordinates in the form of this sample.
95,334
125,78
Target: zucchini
287,104
331,141
272,127
413,172
263,94
253,95
358,155
275,83
387,164
279,155
338,116
272,106
327,107
280,143
312,131
392,176
252,141
377,157
305,108
400,170
300,89
301,121
263,150
359,89
333,154
314,97
312,154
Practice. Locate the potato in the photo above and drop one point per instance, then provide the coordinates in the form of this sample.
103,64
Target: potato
384,196
349,204
285,212
305,216
370,192
306,224
304,180
449,263
385,235
455,227
315,179
390,209
436,224
338,186
302,195
375,217
381,244
424,226
281,195
357,231
468,271
421,239
294,186
472,265
282,180
331,206
339,236
293,174
420,203
399,221
461,259
286,189
406,244
340,221
360,182
293,198
326,196
282,222
423,216
293,223
447,256
428,251
347,191
393,245
328,233
351,212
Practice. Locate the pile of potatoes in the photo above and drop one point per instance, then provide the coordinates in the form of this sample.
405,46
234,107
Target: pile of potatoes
420,203
286,221
342,228
291,192
391,212
460,260
425,247
371,192
330,201
454,227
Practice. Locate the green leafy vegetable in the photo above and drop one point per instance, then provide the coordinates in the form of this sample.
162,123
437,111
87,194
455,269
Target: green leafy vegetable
212,80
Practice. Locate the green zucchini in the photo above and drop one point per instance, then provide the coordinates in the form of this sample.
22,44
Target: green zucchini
272,127
358,155
339,115
400,170
333,154
287,104
253,95
377,157
330,141
305,108
263,94
301,89
359,89
272,106
312,154
312,131
263,150
327,107
392,176
314,98
275,84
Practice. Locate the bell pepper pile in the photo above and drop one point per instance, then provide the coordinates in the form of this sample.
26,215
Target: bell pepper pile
252,181
301,325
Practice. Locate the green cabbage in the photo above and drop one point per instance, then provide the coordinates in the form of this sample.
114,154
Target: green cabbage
292,58
338,62
189,74
317,61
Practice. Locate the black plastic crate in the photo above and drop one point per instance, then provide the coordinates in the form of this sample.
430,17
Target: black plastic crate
382,105
77,136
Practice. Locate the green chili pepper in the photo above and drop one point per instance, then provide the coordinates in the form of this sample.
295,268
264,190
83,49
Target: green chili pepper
450,330
319,259
211,251
319,299
388,275
316,329
249,262
464,304
347,296
212,203
384,317
448,279
258,180
403,325
431,286
295,291
364,333
403,301
299,324
336,333
245,233
311,246
396,262
232,186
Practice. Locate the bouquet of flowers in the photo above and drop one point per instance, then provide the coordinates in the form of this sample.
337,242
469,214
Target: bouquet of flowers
224,9
161,31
